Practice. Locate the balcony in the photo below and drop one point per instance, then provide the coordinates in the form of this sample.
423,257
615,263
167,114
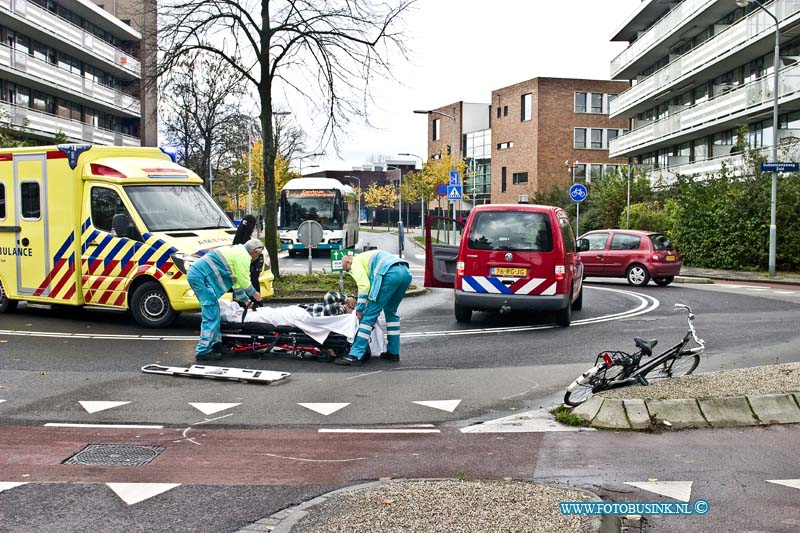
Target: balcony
721,112
757,25
48,25
48,125
43,73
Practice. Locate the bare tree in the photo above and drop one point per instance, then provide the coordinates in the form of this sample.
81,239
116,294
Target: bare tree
325,51
202,100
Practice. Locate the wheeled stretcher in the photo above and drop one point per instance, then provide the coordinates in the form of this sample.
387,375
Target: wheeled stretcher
289,330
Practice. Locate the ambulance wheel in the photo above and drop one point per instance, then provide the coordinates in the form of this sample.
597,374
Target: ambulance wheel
150,306
7,305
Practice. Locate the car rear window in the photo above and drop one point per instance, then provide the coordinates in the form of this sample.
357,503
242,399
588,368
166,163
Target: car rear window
511,230
661,242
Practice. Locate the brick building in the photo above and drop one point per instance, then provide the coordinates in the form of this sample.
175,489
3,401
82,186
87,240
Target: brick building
533,135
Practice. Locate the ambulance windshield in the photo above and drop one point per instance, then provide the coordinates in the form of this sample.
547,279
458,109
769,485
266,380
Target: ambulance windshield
176,207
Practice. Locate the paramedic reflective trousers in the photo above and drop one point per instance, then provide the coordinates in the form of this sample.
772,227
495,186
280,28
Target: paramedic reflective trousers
208,287
393,288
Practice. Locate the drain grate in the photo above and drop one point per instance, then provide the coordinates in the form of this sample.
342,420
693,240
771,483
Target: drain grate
114,455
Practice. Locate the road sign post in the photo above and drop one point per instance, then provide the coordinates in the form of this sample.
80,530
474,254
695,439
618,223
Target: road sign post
455,181
578,193
310,234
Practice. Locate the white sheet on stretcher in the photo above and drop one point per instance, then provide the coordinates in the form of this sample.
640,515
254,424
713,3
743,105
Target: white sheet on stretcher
316,327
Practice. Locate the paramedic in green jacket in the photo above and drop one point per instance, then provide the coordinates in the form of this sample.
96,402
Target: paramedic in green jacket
220,270
382,280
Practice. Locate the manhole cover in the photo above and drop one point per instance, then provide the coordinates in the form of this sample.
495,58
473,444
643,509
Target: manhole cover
114,455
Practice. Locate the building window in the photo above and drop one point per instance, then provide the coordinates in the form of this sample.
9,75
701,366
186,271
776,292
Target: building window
580,138
526,100
505,110
597,139
31,202
437,132
436,156
597,103
579,173
503,175
595,172
505,145
580,102
498,111
612,134
2,201
519,177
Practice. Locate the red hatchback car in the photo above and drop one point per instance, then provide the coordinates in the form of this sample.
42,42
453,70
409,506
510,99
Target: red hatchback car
635,255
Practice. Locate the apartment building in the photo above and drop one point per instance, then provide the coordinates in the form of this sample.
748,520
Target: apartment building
71,66
533,135
700,69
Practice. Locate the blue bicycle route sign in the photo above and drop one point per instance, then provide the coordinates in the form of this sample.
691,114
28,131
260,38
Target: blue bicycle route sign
578,192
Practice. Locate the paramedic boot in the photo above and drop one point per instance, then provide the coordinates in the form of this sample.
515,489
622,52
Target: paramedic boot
386,356
209,356
348,360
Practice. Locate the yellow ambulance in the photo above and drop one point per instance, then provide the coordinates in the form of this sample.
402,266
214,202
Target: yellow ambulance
105,226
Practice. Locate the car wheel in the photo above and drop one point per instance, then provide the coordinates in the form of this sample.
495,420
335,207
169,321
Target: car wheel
292,253
6,304
564,317
150,306
463,314
637,275
664,281
577,305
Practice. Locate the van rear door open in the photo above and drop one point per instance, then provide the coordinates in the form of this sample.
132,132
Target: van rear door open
441,255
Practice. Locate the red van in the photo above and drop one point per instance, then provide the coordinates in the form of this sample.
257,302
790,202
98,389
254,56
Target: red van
507,257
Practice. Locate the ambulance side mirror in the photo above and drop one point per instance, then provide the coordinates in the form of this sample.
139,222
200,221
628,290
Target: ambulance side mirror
123,227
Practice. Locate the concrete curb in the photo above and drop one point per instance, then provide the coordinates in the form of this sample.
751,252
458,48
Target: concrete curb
693,279
283,521
727,411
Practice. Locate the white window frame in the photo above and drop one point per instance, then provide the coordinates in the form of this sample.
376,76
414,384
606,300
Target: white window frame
437,129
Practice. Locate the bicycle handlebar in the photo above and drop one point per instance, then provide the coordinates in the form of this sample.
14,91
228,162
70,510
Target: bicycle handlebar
690,319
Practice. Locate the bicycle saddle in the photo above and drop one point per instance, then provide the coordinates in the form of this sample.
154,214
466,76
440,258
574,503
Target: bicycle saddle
645,345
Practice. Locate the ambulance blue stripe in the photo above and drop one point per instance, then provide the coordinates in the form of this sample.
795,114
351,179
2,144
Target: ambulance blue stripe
71,260
64,247
89,238
499,285
100,249
85,225
113,253
149,253
474,284
128,255
165,257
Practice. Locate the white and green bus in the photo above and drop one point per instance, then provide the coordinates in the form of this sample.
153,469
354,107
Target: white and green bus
328,201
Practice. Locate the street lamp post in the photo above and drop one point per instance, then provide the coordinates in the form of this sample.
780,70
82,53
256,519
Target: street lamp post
421,199
306,156
452,151
773,231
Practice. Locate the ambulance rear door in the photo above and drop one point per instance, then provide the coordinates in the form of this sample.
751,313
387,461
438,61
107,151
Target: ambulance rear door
32,247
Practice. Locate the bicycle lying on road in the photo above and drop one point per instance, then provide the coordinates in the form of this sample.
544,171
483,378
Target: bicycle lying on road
614,369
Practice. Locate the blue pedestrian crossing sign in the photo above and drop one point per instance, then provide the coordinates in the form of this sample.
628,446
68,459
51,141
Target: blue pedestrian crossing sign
454,193
455,178
578,192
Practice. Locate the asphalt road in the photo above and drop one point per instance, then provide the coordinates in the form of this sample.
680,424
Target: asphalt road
52,359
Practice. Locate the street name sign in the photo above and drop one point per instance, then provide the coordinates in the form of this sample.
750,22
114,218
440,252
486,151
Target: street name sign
780,167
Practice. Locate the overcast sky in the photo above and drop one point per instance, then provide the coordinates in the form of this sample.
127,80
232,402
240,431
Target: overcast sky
462,49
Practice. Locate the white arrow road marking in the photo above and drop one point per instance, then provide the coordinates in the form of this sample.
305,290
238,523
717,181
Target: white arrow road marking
442,405
132,493
324,408
794,483
5,485
211,408
677,490
93,407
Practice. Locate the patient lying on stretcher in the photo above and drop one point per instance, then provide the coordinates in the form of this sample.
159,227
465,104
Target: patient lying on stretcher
316,327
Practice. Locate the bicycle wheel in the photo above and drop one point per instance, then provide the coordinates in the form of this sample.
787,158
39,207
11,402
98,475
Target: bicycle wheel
584,391
678,365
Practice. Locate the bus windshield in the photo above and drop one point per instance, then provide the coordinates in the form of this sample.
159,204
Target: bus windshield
176,207
323,206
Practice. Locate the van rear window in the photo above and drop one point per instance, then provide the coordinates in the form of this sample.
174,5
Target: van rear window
511,230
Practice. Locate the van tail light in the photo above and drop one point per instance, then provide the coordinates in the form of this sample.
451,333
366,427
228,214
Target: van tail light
459,268
560,272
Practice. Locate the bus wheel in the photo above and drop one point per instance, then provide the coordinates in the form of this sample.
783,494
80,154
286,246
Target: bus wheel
6,304
150,306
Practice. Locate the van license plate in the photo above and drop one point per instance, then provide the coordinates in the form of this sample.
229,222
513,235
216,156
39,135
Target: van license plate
670,258
512,272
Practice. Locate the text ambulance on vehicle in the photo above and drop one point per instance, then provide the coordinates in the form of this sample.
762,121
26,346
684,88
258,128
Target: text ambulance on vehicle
105,226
